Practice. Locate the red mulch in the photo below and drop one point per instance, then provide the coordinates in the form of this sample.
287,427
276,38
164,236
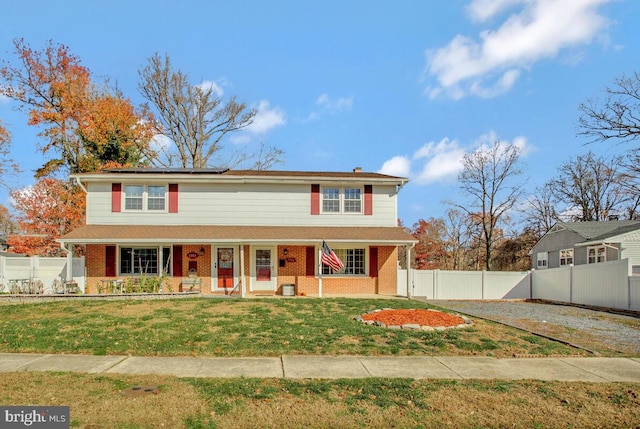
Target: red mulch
416,316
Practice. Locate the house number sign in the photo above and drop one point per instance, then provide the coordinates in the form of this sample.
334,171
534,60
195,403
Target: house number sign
192,255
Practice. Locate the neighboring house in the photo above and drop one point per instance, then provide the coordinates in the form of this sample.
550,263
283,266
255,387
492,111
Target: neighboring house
242,231
578,243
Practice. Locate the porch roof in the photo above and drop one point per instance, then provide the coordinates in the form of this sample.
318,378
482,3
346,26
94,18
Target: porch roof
97,234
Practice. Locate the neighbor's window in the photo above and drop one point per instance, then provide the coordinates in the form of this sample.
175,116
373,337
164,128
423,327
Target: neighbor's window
145,197
353,260
145,260
596,254
566,257
542,259
342,200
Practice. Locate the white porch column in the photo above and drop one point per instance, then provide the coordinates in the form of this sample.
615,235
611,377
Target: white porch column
409,270
243,285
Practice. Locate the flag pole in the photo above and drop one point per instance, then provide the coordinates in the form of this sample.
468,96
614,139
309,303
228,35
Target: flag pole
320,272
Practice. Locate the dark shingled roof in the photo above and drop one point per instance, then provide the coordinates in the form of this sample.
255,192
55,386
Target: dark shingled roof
600,230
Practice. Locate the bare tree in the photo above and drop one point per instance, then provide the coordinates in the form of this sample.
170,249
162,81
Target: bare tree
540,211
618,117
193,117
457,234
590,186
485,178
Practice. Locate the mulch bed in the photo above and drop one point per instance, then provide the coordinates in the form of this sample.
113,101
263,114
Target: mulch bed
420,317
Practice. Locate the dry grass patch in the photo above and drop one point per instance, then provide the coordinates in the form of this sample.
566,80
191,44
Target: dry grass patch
97,401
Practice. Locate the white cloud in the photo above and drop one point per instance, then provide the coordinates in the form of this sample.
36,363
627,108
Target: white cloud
213,86
266,118
482,10
442,161
536,30
160,143
330,106
397,166
338,105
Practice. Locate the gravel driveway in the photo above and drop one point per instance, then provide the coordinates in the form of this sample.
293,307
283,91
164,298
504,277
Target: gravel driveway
602,332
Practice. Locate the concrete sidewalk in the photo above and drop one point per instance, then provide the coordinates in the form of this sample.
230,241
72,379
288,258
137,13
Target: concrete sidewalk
589,369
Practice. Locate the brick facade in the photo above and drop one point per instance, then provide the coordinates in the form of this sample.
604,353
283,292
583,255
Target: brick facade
290,268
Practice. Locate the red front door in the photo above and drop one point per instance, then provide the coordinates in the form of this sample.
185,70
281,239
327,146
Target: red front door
225,267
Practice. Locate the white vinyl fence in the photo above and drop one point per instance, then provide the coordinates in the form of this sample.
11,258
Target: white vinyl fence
605,285
439,284
47,270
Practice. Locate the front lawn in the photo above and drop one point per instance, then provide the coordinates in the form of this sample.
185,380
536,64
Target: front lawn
245,327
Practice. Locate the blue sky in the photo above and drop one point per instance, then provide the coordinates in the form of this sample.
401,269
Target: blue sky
404,87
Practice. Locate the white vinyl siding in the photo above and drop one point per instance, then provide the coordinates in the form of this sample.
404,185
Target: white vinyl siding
241,204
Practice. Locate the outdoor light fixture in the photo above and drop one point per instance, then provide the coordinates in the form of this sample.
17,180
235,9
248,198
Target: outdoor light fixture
286,251
202,251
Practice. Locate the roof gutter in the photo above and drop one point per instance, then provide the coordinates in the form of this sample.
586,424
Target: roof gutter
78,182
596,243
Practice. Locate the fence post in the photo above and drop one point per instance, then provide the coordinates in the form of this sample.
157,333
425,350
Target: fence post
435,282
483,279
571,283
35,265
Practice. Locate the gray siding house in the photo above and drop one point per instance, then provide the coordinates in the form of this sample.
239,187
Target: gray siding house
579,243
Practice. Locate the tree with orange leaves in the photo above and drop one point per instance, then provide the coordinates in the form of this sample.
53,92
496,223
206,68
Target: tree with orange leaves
48,210
84,126
430,251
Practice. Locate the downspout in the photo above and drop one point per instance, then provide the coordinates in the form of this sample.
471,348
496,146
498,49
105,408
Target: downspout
243,284
320,271
79,183
69,273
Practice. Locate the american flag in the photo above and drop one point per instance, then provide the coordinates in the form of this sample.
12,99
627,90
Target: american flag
330,259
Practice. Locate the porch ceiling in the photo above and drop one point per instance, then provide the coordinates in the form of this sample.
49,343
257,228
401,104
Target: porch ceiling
234,233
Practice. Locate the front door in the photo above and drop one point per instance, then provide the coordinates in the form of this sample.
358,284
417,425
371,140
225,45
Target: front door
224,267
264,276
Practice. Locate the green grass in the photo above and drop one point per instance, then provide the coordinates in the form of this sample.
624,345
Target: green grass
253,327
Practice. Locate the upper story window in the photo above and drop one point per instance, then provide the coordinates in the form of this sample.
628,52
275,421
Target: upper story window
145,197
566,257
596,254
542,259
341,200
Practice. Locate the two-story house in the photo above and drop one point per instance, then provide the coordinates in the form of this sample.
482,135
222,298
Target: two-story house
578,243
242,231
